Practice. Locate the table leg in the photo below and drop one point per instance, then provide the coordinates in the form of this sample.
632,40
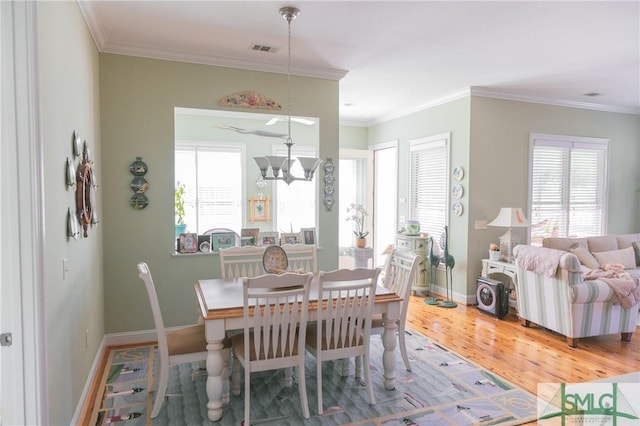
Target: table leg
389,344
214,330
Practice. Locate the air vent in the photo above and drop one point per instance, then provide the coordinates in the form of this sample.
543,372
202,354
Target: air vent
593,94
263,48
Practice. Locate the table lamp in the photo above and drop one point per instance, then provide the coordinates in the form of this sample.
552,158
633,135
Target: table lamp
509,217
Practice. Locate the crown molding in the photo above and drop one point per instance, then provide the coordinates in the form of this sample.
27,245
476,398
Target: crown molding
488,93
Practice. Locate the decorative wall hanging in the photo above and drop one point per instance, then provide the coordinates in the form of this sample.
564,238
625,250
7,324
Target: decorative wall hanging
72,225
70,173
458,173
458,190
259,210
139,184
76,144
86,184
248,99
328,184
457,208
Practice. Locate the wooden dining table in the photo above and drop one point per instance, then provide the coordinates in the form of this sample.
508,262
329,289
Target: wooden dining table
221,306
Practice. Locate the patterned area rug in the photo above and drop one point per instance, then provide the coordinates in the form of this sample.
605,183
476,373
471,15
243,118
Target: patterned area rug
442,389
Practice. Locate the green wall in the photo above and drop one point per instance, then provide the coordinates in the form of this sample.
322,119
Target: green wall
490,140
73,304
138,97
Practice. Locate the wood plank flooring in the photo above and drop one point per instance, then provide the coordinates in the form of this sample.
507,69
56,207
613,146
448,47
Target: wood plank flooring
524,356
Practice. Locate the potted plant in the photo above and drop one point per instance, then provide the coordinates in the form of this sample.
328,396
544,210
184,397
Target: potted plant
358,213
180,190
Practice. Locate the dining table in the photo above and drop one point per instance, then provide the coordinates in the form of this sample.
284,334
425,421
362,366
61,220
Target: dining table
221,306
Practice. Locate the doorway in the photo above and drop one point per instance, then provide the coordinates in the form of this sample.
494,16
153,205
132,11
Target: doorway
385,198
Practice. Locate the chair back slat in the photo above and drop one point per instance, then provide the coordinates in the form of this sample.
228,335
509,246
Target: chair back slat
236,262
275,312
401,272
344,326
302,257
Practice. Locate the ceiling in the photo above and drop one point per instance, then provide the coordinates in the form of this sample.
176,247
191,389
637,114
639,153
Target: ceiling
392,57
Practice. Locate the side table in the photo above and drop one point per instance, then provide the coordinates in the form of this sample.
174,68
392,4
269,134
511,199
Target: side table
490,267
418,245
362,256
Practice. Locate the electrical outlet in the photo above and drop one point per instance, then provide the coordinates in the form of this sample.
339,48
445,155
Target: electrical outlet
481,224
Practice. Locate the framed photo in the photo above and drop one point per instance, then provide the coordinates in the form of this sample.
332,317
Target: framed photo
308,236
248,241
204,243
259,210
188,243
269,238
246,233
221,240
289,238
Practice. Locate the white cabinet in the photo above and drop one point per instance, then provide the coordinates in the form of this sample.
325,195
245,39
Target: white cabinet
418,245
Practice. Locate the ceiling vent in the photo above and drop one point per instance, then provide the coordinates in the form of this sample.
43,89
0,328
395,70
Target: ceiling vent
593,94
264,48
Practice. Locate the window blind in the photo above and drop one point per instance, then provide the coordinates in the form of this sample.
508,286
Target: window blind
568,187
428,196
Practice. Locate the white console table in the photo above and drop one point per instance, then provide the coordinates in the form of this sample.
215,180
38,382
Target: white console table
418,245
490,267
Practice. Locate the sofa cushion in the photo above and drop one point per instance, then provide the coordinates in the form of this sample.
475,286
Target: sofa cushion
625,257
626,240
584,256
636,249
603,243
564,243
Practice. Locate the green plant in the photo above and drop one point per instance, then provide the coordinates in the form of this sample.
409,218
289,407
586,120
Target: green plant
179,194
357,216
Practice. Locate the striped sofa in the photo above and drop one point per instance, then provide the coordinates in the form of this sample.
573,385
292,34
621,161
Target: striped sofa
566,303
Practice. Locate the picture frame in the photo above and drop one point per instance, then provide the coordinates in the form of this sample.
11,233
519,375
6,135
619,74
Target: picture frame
188,243
289,238
249,236
269,238
308,236
259,210
222,240
204,243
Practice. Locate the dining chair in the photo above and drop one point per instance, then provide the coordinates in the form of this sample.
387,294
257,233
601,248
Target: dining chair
184,345
400,271
342,330
275,322
302,257
237,262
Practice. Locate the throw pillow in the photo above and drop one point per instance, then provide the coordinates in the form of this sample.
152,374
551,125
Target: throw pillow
625,256
636,249
584,256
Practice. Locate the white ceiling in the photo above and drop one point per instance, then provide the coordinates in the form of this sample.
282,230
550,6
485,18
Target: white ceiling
394,57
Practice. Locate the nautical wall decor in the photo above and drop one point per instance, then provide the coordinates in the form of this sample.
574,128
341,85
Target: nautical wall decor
139,184
85,188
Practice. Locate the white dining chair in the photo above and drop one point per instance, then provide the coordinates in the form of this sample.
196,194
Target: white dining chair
275,321
184,345
400,271
301,257
342,330
237,262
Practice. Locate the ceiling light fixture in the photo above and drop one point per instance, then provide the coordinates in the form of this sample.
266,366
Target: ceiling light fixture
278,163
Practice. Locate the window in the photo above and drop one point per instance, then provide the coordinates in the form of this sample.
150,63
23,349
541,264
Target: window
296,203
428,192
568,180
213,174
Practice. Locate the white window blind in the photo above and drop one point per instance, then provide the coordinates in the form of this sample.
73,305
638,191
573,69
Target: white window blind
568,186
429,171
213,175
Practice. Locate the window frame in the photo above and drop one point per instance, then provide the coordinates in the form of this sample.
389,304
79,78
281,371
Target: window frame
421,144
216,146
570,143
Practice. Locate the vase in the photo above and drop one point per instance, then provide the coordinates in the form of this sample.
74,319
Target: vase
361,242
494,254
412,227
181,229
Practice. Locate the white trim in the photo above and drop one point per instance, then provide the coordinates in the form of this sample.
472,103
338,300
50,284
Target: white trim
26,201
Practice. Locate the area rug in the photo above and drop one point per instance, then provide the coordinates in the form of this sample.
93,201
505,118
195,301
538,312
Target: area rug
442,389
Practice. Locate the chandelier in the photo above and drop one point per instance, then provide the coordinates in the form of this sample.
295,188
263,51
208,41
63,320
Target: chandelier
284,164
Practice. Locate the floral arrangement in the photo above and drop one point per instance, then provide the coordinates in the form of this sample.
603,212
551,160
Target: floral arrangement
358,213
494,247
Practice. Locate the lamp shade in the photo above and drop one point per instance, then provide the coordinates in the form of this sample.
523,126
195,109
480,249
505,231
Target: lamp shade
510,217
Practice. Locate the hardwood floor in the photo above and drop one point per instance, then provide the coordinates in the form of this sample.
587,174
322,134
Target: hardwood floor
524,356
